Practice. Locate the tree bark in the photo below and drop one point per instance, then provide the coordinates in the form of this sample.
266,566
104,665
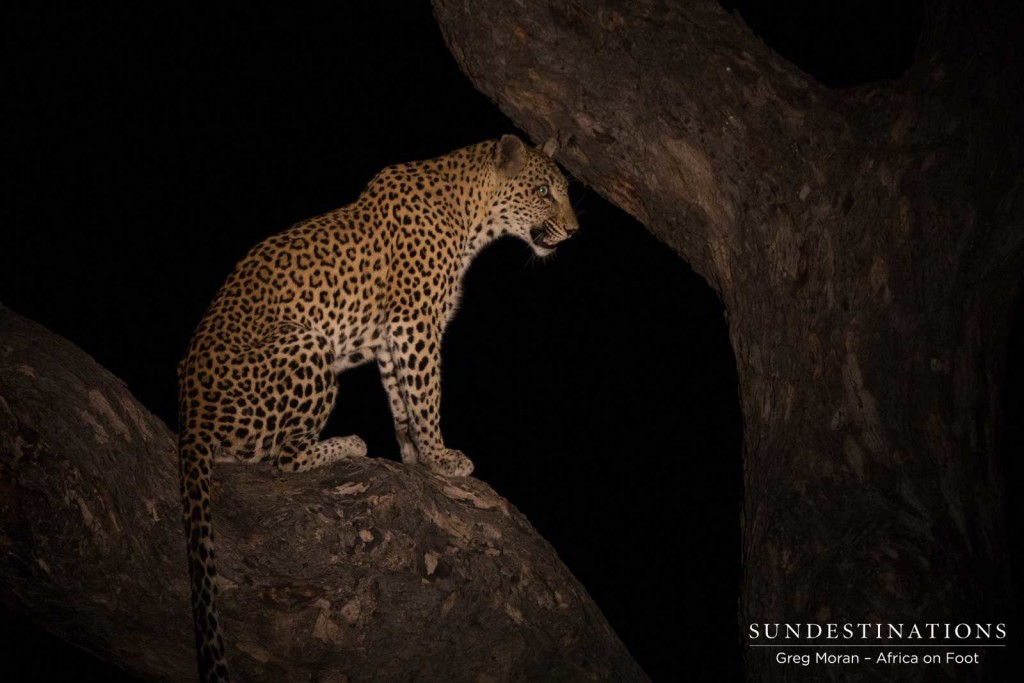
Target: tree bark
369,570
866,244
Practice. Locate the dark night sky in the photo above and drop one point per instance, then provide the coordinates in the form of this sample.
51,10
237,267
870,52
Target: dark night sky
597,391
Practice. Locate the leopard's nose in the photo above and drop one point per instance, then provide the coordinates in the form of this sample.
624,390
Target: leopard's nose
571,226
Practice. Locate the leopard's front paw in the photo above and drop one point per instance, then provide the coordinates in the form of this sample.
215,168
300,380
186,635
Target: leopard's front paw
449,462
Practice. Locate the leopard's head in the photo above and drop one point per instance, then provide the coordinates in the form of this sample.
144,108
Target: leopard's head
532,197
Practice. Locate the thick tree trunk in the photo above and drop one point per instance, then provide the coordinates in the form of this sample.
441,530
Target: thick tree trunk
365,571
866,244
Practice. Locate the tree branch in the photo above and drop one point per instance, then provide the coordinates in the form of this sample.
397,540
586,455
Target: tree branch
647,90
680,115
369,570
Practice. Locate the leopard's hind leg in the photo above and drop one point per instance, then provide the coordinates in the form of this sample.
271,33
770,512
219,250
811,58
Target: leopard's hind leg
302,388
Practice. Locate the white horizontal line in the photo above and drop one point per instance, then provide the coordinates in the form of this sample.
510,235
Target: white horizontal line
882,645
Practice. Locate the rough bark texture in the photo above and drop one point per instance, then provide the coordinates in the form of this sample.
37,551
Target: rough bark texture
365,571
866,244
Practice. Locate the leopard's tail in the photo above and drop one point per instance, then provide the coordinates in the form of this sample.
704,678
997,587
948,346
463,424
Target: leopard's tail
196,459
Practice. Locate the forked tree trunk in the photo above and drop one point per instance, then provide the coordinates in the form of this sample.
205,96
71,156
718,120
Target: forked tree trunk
866,244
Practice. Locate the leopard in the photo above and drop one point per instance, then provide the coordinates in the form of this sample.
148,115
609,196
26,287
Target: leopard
377,280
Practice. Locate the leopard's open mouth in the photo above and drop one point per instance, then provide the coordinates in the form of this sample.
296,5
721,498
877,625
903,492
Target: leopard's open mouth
543,238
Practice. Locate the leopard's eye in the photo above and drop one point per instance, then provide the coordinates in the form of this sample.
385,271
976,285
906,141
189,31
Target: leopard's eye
543,190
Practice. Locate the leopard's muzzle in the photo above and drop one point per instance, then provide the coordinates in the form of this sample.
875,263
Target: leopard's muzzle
550,234
543,238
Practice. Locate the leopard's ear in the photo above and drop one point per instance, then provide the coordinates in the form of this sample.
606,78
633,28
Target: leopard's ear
510,153
550,147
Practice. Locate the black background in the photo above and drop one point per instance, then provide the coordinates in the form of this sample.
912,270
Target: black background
150,147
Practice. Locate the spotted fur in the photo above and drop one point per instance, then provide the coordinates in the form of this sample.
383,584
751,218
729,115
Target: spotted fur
377,280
